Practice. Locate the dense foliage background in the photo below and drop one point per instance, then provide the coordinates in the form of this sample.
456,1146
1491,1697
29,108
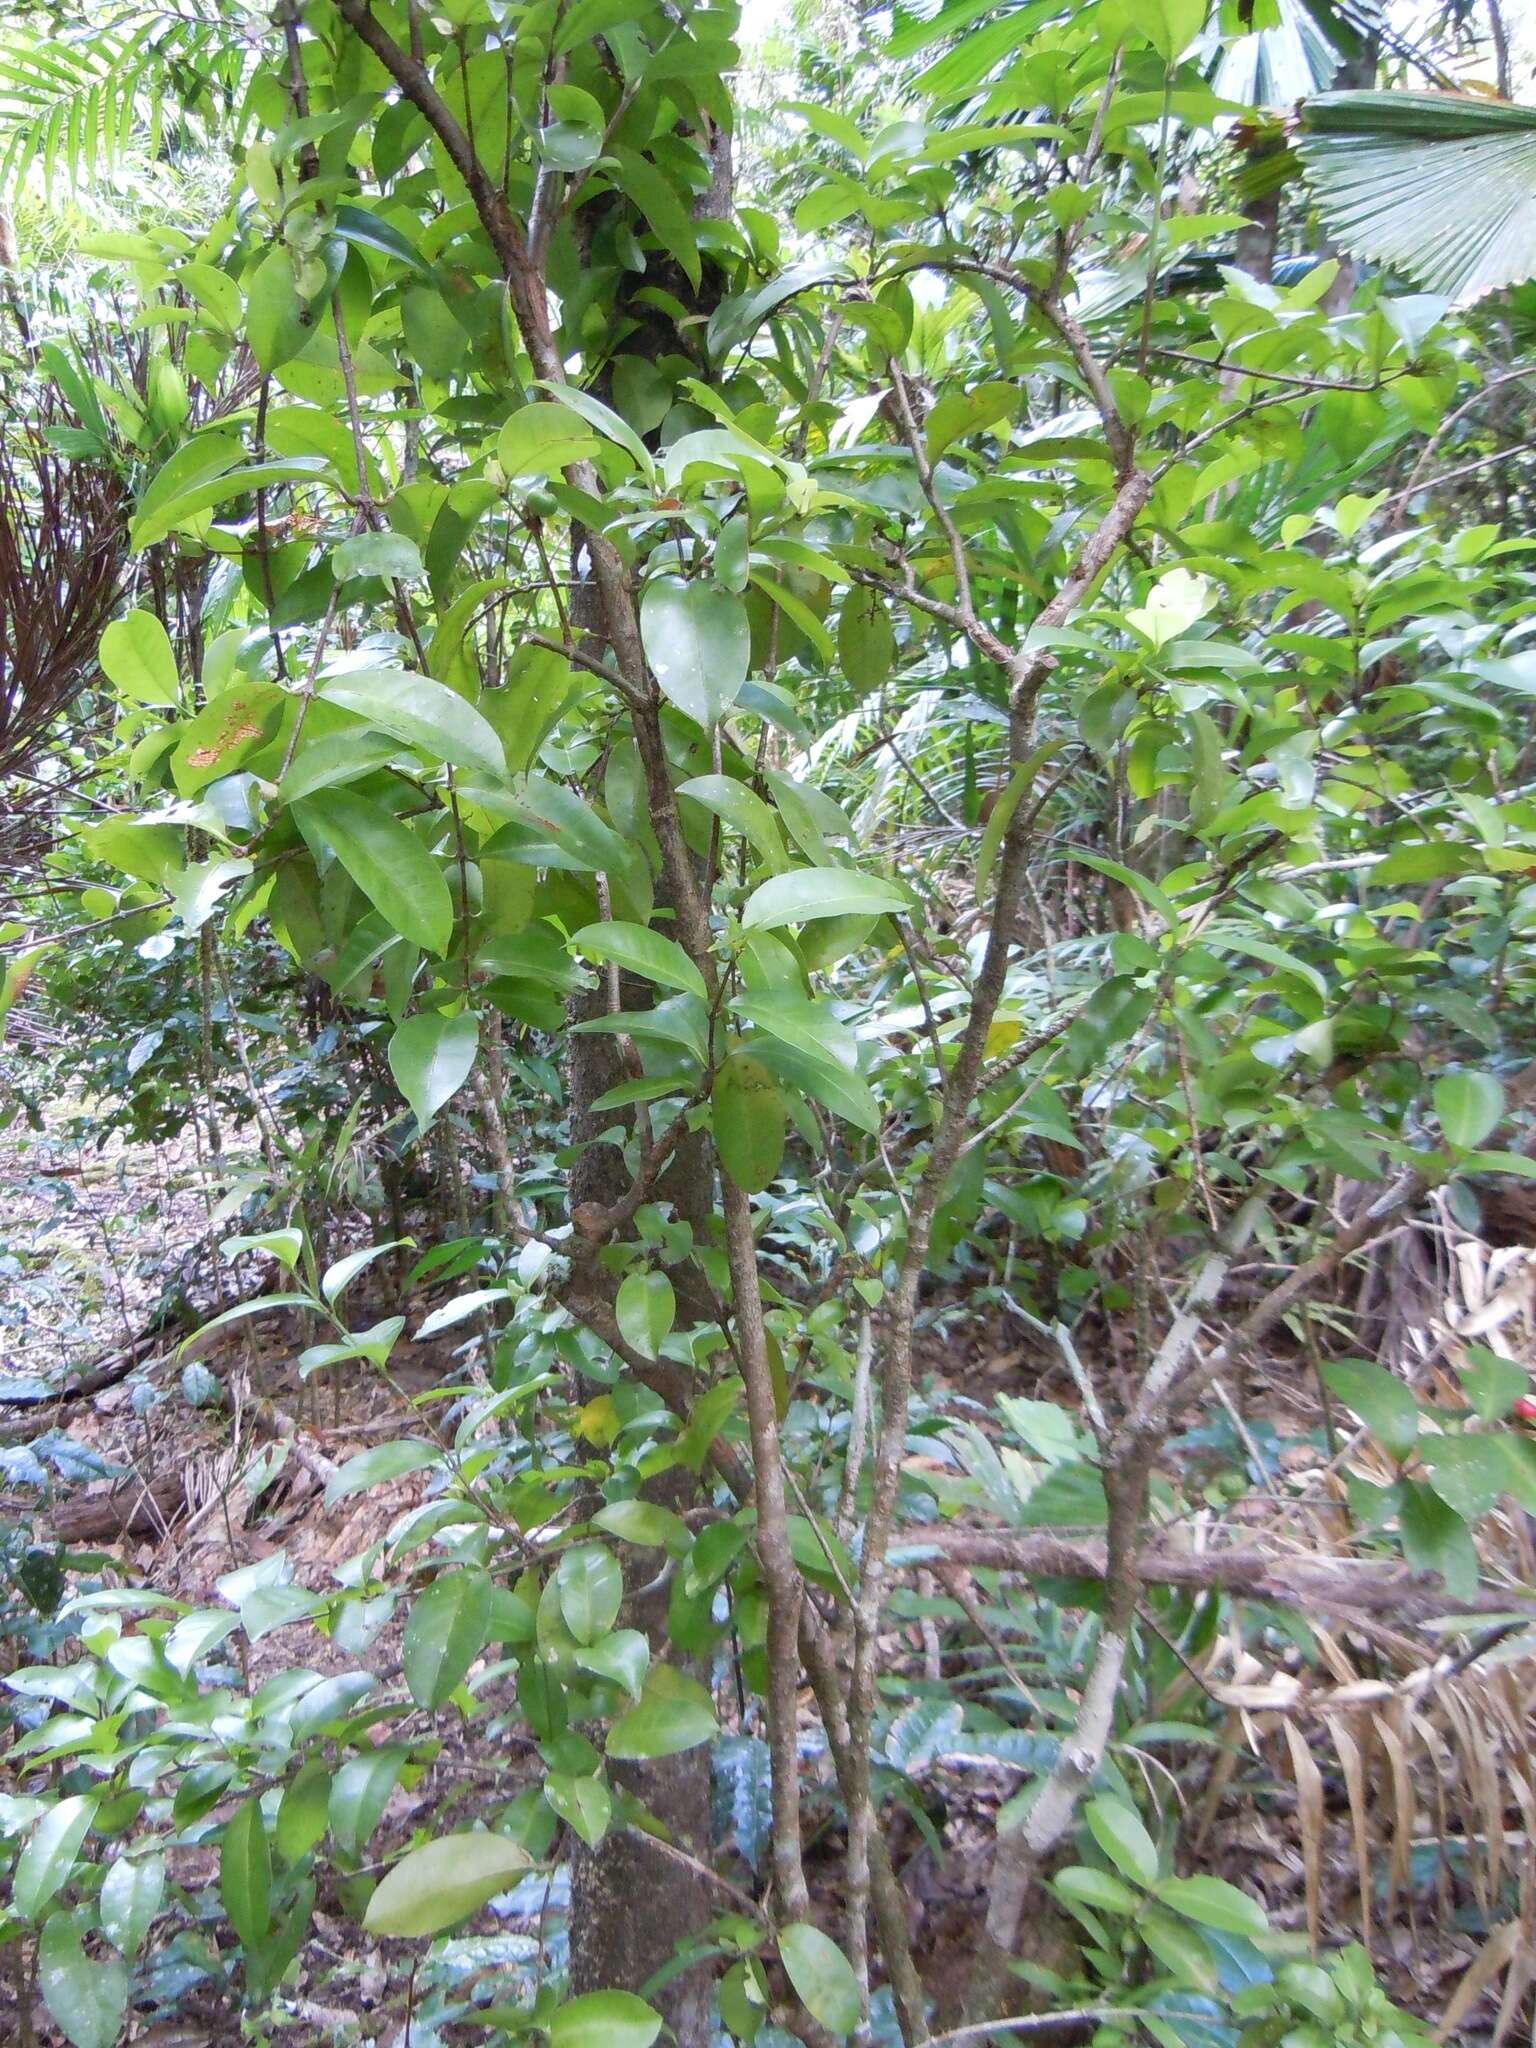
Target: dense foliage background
767,968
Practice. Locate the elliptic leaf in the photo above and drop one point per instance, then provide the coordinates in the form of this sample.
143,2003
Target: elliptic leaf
443,1882
698,642
809,893
420,711
431,1057
1120,1833
49,1856
822,1976
1469,1106
445,1634
136,656
87,1998
386,860
604,2019
645,1310
749,1120
245,1874
639,950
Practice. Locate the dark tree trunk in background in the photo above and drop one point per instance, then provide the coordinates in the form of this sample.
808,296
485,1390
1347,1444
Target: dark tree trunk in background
631,1903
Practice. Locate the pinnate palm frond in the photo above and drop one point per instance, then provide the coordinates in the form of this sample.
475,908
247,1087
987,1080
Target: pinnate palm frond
1438,186
74,105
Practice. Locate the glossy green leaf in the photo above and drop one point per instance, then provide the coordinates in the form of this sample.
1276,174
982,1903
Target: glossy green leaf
245,1873
386,860
674,1713
443,1882
86,1996
1120,1833
446,1631
591,1591
822,1976
431,1057
303,1811
49,1857
698,643
541,439
604,2019
645,1310
866,639
1381,1400
809,893
131,1893
424,713
749,1121
137,657
584,1804
1214,1903
1469,1106
639,950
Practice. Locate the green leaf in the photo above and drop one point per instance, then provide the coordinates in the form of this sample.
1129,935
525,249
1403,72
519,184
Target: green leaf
1214,1903
386,860
394,556
1436,1539
49,1856
822,1976
663,207
602,417
584,1804
359,1793
646,1309
699,644
1179,1949
604,2019
674,1713
1379,1398
245,1874
390,1460
845,1094
137,658
541,439
88,1998
1469,1473
303,1811
431,1057
443,1882
622,1658
225,733
809,893
1120,1833
130,1898
446,1632
1493,1383
340,1274
639,950
959,413
1096,1888
241,482
420,711
866,639
749,1121
591,1591
1469,1106
742,809
645,1523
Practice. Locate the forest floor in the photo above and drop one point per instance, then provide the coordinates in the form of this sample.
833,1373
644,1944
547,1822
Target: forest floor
1324,1797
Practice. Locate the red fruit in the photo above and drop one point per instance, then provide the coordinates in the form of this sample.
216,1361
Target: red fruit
1524,1409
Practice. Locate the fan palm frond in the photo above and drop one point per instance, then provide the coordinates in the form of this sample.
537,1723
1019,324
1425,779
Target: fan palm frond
1438,186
